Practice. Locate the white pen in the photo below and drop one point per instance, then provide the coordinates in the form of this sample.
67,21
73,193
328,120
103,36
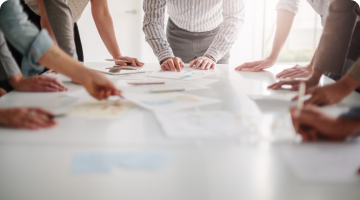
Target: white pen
300,104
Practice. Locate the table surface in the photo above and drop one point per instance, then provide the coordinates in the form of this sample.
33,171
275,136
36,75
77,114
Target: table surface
37,164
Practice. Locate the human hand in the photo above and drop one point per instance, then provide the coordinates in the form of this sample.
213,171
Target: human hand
52,71
132,61
297,71
173,64
99,86
203,63
2,92
295,84
26,118
36,84
257,66
328,95
314,125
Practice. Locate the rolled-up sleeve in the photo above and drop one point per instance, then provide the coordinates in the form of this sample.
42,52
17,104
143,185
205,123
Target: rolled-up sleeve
24,36
233,13
289,5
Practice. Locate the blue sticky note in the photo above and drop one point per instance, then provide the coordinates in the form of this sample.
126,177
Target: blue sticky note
96,162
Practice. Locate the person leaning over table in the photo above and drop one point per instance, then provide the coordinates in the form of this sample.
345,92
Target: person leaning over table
314,125
200,32
54,16
287,9
331,56
10,72
38,49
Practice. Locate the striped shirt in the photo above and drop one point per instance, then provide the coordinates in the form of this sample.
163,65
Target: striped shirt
194,16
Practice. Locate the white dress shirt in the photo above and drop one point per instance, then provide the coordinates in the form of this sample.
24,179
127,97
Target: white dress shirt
320,6
77,7
194,16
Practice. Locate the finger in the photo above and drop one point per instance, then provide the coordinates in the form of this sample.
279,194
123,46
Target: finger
192,63
29,125
177,66
167,67
51,84
45,89
249,65
203,64
171,65
42,111
284,73
121,63
301,75
213,66
277,86
208,65
133,62
163,67
290,74
107,94
258,68
138,63
198,64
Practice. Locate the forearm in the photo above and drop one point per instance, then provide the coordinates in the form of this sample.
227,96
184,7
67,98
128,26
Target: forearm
233,14
284,23
105,28
58,60
153,28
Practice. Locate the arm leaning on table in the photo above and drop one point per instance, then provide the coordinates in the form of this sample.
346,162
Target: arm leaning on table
153,28
105,26
233,14
287,9
39,48
331,56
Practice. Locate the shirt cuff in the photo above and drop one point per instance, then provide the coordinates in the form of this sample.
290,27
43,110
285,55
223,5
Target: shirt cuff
38,48
164,54
215,54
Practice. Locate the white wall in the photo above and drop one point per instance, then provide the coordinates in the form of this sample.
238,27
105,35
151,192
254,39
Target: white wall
248,46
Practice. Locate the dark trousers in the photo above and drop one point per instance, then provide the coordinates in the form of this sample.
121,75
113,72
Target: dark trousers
189,45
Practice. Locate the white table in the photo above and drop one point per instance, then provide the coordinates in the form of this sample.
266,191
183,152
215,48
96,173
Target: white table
37,165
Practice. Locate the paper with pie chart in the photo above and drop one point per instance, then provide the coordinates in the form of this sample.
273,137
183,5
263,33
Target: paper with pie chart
167,102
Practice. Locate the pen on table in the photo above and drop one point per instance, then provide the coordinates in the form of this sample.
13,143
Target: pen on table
300,104
147,83
117,60
169,90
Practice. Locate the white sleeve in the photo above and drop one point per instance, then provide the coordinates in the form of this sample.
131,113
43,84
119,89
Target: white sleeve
289,5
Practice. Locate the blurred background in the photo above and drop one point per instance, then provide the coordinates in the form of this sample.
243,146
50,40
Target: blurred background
254,42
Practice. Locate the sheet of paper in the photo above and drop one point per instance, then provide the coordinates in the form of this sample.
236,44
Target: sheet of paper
186,74
201,124
324,162
103,67
102,162
101,109
168,85
166,102
274,97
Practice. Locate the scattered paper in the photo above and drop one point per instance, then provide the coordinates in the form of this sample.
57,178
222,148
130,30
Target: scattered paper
104,68
166,102
324,162
100,162
210,124
186,74
101,109
167,86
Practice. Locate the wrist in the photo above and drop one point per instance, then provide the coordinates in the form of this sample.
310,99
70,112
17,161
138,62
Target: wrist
13,81
349,82
212,58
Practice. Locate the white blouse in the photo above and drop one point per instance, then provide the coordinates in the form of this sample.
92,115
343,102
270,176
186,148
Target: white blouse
77,7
